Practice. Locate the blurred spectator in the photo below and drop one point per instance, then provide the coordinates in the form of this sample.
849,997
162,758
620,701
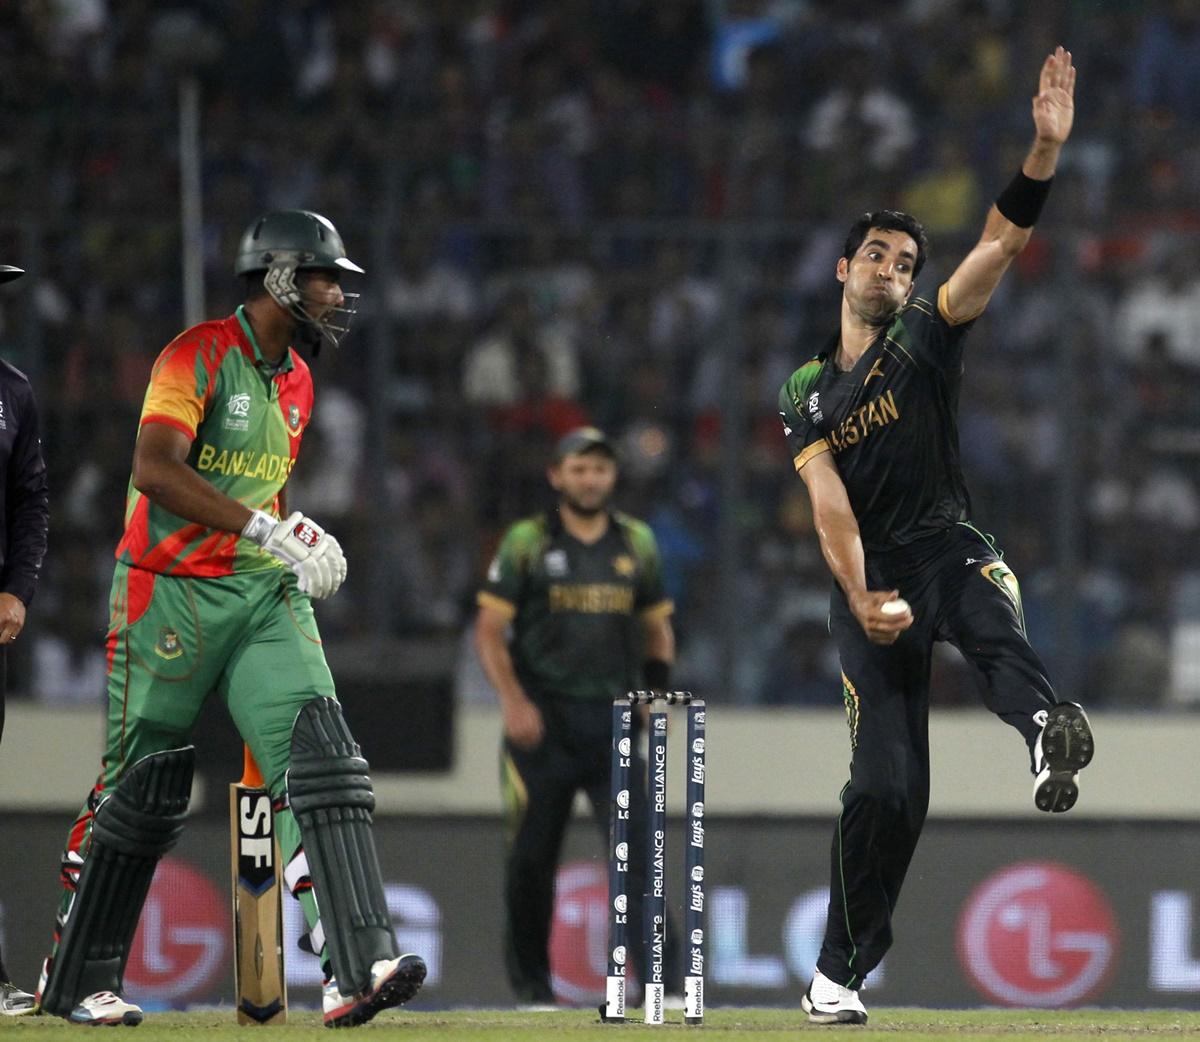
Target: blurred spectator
1166,305
1166,70
493,368
538,138
428,288
801,671
947,196
861,117
629,211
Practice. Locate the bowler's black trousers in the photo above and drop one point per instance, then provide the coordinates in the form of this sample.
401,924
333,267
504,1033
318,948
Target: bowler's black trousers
540,786
960,591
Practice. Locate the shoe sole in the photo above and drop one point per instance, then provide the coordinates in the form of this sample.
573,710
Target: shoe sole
841,1016
396,990
1067,746
1067,742
1055,793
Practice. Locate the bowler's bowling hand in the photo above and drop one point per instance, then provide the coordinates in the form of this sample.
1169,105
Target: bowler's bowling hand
881,626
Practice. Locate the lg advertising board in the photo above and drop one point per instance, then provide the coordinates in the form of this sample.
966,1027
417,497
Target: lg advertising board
1035,914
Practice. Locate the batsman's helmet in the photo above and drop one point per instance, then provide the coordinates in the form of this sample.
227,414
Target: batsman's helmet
8,272
284,242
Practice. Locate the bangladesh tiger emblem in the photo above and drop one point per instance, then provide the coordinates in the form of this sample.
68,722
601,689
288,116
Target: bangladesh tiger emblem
168,645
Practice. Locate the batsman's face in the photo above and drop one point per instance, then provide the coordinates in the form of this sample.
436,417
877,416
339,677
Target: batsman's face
879,277
585,482
320,291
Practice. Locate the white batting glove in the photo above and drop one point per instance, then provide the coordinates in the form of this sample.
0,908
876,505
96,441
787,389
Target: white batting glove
304,546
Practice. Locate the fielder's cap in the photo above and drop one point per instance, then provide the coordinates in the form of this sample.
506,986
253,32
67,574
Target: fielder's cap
582,439
8,272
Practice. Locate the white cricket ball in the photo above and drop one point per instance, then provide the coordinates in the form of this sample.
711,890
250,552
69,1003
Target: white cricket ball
897,607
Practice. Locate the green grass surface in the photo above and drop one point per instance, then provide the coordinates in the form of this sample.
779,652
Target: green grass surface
720,1025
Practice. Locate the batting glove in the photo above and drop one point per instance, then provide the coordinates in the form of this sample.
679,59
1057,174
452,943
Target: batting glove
304,546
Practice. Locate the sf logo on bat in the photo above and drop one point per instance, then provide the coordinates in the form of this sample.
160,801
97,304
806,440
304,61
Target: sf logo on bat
256,838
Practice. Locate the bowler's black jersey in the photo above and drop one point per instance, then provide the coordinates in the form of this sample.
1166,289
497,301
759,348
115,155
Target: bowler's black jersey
890,423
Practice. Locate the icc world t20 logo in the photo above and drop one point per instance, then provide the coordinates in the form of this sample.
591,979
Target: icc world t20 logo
238,410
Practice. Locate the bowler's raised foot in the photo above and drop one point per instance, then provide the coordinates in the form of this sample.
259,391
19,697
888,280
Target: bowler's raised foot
393,983
827,1002
1064,747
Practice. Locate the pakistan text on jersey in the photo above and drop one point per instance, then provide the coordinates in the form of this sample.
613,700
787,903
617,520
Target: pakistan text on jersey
878,412
592,598
268,466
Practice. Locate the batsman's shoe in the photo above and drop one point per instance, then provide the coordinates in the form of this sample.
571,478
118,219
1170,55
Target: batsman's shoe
14,1002
828,1003
393,983
1064,747
106,1008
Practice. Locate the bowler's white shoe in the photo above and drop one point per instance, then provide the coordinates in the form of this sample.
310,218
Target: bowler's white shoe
1064,747
393,983
14,1002
828,1003
106,1008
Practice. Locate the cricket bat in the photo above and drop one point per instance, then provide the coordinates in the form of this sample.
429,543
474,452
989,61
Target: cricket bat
260,987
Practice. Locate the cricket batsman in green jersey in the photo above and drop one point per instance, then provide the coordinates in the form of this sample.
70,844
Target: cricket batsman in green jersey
212,594
581,588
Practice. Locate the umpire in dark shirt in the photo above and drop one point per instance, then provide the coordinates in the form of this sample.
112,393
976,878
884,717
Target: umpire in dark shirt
25,515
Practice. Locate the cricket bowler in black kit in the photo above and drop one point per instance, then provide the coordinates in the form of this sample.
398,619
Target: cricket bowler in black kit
24,521
582,590
871,422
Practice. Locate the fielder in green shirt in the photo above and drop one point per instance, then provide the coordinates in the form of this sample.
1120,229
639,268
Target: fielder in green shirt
581,589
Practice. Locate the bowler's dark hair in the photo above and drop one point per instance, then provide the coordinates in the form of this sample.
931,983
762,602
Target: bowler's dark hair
889,221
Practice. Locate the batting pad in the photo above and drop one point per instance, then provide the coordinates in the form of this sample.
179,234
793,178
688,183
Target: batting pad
330,794
132,830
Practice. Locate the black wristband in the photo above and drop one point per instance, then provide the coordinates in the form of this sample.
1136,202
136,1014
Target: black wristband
1021,202
656,673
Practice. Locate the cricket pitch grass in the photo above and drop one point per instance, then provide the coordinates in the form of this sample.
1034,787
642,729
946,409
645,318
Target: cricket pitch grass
720,1025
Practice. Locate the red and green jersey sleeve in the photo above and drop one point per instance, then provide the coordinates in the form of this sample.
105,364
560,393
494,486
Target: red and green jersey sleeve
245,432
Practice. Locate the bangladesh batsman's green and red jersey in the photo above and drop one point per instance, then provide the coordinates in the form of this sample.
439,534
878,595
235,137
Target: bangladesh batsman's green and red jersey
246,426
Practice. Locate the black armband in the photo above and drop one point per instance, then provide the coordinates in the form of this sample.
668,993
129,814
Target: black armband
1021,202
656,673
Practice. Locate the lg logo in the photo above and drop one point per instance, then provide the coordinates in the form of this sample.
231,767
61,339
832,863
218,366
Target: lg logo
182,938
1038,935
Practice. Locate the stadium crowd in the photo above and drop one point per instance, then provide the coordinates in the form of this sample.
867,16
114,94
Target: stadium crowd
627,212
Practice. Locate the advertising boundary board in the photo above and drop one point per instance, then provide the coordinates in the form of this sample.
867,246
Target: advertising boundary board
1046,912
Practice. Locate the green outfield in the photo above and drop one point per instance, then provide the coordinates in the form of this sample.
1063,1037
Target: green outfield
721,1025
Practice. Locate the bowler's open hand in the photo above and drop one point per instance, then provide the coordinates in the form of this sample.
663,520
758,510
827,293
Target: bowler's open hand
1054,106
